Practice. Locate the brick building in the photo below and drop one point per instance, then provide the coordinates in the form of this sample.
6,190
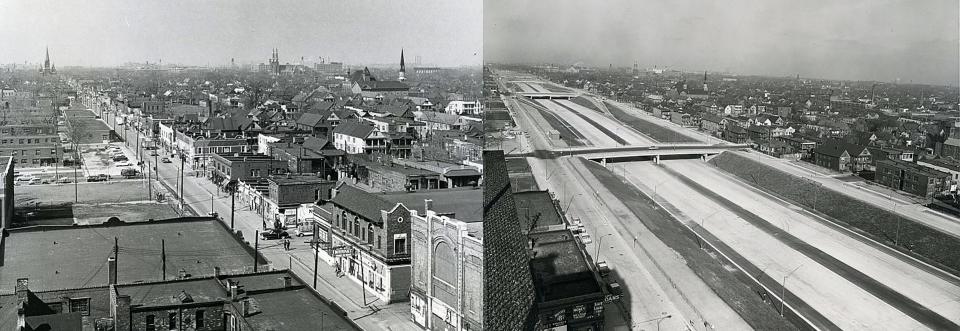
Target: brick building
912,178
447,276
242,166
508,295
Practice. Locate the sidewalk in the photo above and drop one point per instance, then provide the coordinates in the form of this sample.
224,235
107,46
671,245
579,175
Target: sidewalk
200,195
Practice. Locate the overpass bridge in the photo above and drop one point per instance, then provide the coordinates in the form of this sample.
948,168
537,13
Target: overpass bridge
547,95
638,153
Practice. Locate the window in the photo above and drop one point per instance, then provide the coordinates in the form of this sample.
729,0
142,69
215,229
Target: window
21,141
370,234
400,243
379,240
38,152
151,322
199,319
81,305
172,321
53,151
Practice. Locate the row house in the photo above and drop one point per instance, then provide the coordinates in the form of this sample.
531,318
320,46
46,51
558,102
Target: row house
841,156
367,238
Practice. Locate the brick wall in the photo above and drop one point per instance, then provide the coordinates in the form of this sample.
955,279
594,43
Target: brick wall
507,282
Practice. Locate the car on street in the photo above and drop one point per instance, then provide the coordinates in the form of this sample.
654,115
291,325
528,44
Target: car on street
303,230
123,164
64,180
98,178
165,160
153,153
274,234
25,178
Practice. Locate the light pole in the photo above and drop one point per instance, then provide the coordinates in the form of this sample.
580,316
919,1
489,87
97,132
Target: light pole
783,288
657,319
655,186
599,244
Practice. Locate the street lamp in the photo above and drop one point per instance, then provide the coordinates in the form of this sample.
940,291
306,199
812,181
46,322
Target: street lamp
600,244
657,185
783,288
657,319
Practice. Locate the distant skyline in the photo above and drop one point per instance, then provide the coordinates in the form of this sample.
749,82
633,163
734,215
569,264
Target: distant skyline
114,32
880,40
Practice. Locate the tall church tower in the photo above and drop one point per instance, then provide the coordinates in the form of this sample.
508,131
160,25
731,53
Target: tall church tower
47,67
705,81
403,68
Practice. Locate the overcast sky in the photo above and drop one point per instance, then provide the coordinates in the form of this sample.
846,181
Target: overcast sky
851,39
111,32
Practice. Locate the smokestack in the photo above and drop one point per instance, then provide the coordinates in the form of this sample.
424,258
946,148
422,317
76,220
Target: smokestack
216,272
287,281
112,270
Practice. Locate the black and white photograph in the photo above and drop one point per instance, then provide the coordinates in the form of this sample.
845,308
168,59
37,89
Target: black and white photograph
240,165
464,165
722,165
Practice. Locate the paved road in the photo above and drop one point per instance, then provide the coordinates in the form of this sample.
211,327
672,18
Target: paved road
892,203
200,194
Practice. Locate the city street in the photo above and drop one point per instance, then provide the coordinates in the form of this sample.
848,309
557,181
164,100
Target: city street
200,194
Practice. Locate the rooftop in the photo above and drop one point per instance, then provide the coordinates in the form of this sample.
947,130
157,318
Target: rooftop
559,266
76,256
538,206
462,202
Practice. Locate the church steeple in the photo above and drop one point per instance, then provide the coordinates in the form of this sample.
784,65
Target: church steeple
403,67
46,62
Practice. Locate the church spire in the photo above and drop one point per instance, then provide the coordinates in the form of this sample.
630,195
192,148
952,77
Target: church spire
403,67
46,61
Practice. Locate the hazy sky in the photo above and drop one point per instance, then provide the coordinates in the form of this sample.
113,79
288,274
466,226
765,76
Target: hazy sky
851,39
198,32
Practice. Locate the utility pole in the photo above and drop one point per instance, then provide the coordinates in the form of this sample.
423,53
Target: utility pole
183,202
163,258
256,249
116,256
233,194
316,257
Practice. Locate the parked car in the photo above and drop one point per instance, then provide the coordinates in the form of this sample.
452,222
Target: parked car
165,160
98,178
129,172
64,180
304,230
274,234
25,178
123,164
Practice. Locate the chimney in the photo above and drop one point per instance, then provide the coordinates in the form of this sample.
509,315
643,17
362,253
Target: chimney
234,289
112,270
216,272
22,289
121,311
246,308
427,206
333,193
287,281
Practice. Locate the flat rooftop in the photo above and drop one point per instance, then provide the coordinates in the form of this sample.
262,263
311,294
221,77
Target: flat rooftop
463,202
530,204
58,257
560,269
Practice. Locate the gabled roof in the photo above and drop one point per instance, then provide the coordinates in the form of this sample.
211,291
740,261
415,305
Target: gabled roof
357,201
227,124
436,117
355,129
836,148
374,86
310,119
